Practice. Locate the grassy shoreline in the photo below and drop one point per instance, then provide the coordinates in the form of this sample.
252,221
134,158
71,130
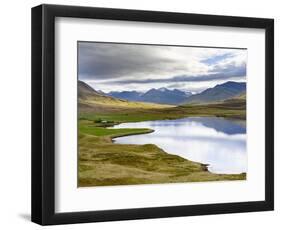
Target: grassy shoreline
116,115
103,162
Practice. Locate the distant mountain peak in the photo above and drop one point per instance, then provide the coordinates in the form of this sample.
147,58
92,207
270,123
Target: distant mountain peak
220,92
233,84
161,95
163,89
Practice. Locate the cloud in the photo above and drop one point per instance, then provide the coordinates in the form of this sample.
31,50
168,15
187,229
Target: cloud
106,61
217,58
226,74
107,65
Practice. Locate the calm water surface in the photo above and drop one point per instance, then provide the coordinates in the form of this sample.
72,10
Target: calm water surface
219,142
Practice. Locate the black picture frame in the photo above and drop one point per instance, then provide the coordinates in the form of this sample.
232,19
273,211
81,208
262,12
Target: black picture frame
43,114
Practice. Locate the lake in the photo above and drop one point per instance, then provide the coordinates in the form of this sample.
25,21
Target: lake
219,142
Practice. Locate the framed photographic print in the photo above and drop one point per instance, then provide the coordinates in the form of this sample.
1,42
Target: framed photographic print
142,114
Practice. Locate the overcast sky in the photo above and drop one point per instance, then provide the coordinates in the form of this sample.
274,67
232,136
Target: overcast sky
119,67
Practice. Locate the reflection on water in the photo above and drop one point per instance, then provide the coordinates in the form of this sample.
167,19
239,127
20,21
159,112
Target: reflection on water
218,142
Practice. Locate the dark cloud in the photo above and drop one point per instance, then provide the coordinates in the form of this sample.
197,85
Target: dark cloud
106,60
224,75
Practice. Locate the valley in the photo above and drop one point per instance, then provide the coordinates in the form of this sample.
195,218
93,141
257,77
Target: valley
103,162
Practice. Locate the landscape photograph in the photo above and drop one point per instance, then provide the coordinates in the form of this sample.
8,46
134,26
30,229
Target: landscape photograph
155,114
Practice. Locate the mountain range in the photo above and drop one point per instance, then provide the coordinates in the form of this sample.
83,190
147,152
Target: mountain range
221,92
159,96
